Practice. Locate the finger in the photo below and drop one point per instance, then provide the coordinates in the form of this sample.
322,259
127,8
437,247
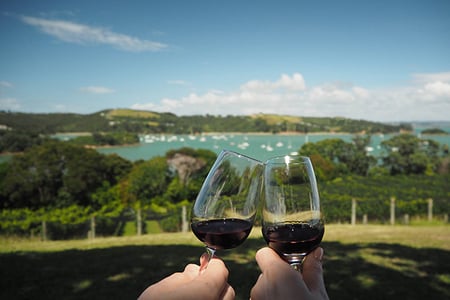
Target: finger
204,260
215,276
217,269
269,261
267,258
259,289
191,271
228,293
313,272
276,276
177,278
163,286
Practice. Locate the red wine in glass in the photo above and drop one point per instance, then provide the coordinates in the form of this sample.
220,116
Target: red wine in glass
222,233
293,240
223,213
292,222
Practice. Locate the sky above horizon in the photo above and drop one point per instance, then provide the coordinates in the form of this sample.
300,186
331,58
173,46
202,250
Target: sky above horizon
380,60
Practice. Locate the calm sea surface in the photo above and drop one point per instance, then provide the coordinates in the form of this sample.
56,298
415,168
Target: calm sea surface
258,146
255,145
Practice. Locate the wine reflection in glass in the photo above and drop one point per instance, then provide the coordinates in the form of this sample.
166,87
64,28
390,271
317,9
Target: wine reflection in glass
292,222
224,211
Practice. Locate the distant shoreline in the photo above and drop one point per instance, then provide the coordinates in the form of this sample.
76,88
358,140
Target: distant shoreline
287,133
248,133
291,133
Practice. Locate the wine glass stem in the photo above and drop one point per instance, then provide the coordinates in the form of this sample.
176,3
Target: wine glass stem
297,266
209,254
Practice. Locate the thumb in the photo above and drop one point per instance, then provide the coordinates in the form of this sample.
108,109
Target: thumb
313,273
204,260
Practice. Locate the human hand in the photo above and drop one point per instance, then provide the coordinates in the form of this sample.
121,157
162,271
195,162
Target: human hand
278,280
210,283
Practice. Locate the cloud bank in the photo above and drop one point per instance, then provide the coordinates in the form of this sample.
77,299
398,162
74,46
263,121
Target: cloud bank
83,34
426,97
6,84
9,104
96,90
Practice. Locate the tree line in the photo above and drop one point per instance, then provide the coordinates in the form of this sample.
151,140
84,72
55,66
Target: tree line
66,184
142,122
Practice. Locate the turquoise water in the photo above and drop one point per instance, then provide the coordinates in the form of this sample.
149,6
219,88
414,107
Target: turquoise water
258,146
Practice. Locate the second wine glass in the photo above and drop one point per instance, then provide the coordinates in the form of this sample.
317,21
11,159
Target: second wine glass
225,208
292,221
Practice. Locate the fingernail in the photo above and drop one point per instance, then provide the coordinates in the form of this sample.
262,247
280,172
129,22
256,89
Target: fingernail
318,254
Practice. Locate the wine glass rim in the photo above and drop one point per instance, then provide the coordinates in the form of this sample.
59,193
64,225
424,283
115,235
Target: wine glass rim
224,151
282,159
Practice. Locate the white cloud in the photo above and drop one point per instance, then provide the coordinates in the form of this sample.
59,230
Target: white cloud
178,82
438,88
83,34
9,104
294,83
431,77
421,100
6,84
97,90
360,92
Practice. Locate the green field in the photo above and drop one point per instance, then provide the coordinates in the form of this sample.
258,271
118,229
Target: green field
361,262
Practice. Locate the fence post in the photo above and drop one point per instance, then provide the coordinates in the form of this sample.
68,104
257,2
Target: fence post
406,219
392,210
139,221
353,211
430,209
92,231
44,231
184,223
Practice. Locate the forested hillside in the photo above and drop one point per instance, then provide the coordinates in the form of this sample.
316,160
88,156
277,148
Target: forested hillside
152,122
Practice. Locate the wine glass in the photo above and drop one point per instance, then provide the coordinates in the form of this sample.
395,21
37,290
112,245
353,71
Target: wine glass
292,222
224,211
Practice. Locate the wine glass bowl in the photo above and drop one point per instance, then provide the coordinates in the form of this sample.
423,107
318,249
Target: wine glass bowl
292,222
224,211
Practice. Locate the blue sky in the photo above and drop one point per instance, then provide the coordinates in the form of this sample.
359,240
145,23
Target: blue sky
375,60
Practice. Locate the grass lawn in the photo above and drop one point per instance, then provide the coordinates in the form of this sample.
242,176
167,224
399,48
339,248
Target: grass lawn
361,262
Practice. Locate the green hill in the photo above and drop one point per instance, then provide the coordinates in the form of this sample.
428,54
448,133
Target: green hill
137,121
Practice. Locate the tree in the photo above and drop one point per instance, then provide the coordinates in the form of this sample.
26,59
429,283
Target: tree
335,157
57,174
407,154
325,157
117,167
323,168
149,179
18,141
190,167
356,158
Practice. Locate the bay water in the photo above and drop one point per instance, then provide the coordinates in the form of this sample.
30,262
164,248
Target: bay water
259,146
